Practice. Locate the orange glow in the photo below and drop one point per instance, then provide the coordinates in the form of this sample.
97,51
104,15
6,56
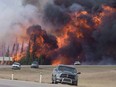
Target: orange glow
18,56
73,27
97,20
80,23
77,14
56,62
60,60
62,39
108,8
40,40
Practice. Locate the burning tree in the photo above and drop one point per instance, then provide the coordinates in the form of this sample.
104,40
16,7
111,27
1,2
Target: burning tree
40,42
80,31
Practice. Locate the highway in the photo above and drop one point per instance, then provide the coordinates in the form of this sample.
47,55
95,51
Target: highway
18,83
15,83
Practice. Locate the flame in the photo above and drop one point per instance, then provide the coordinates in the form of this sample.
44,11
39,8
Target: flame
108,8
77,24
56,62
97,20
61,59
62,39
40,40
72,27
18,56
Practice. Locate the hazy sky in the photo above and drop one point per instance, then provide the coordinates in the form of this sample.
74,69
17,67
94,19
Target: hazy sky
8,11
12,13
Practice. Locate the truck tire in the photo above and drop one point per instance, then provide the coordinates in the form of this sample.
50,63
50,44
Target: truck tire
54,80
75,83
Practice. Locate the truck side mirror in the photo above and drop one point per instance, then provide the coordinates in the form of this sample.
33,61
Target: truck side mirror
79,73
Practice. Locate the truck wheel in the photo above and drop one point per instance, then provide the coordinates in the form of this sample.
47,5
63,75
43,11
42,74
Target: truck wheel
75,83
54,80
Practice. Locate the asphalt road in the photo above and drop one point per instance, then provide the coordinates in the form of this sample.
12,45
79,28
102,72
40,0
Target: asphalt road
17,83
14,83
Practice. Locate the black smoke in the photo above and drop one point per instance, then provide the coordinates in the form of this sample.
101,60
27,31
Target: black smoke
98,43
73,49
55,15
105,38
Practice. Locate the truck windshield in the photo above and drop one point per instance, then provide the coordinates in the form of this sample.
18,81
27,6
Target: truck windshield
66,68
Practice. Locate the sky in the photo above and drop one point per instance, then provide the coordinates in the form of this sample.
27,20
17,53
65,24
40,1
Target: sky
13,16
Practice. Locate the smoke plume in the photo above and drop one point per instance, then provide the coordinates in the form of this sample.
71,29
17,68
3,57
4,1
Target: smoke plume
63,31
15,18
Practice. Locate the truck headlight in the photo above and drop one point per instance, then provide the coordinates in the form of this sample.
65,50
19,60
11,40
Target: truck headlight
58,75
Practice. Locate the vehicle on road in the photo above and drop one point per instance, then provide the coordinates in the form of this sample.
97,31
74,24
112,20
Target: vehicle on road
16,66
35,64
65,74
77,63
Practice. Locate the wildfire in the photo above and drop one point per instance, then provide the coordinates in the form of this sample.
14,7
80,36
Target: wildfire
40,43
97,20
107,10
18,56
74,27
79,21
56,62
61,59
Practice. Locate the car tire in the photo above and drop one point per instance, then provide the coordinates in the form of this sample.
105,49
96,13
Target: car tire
75,83
54,80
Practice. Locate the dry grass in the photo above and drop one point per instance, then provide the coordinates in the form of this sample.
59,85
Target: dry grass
98,76
91,76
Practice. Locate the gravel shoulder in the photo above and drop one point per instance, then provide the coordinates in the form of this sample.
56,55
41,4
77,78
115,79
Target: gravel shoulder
14,83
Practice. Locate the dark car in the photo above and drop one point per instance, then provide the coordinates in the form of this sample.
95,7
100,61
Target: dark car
35,64
16,66
65,74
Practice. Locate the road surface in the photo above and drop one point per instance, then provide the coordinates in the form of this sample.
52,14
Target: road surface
14,83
